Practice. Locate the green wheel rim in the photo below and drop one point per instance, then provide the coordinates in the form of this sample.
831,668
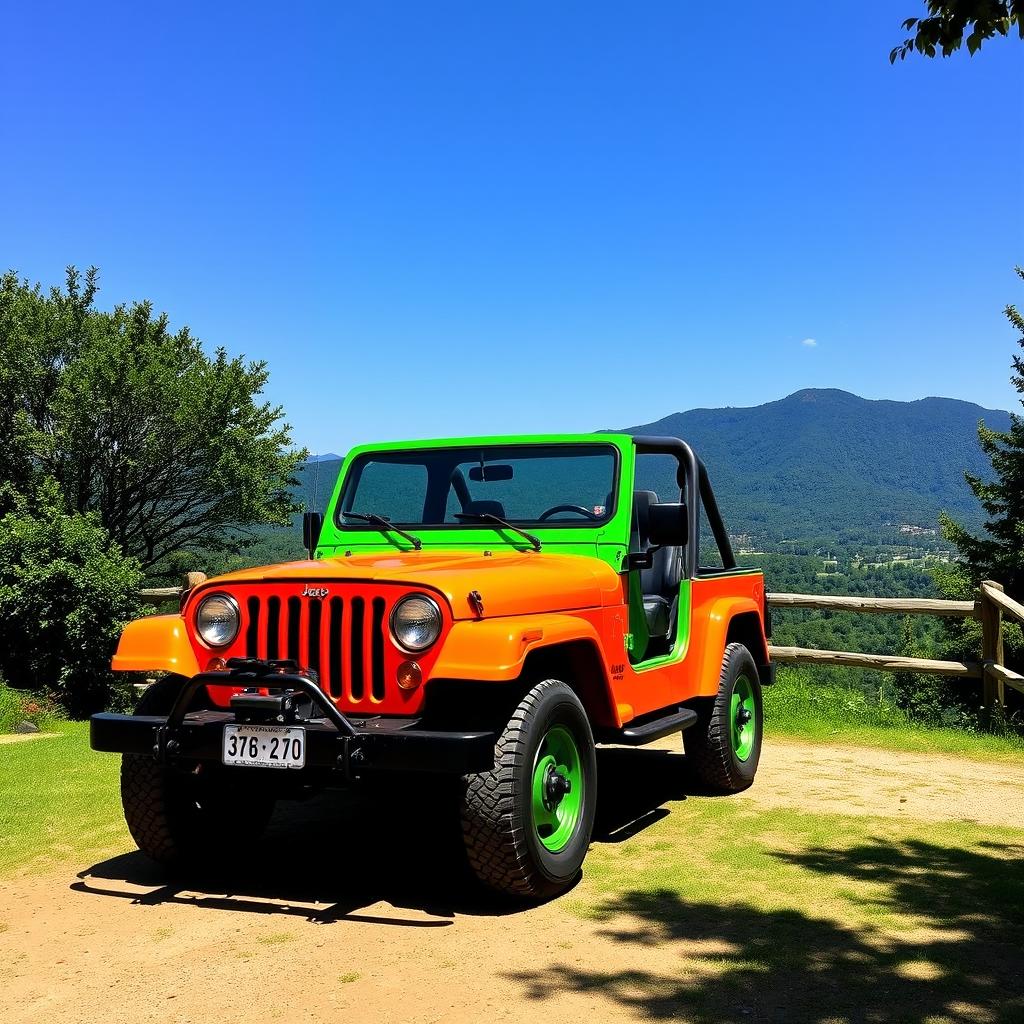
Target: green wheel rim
557,789
743,718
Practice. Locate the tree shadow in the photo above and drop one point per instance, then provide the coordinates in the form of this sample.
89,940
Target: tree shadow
331,856
955,956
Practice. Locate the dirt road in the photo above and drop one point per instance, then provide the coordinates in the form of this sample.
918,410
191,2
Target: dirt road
346,913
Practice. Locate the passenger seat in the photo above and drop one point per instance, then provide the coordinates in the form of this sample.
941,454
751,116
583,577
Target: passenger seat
660,583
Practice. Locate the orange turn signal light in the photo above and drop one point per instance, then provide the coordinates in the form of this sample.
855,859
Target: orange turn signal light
216,665
410,675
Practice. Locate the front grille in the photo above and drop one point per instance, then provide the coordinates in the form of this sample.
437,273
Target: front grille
342,639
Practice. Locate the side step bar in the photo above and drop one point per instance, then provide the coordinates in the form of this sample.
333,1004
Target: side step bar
637,733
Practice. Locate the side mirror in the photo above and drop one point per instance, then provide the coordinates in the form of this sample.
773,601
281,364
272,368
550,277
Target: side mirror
312,524
668,524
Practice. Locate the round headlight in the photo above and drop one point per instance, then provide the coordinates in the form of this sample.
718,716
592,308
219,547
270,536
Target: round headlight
416,622
218,620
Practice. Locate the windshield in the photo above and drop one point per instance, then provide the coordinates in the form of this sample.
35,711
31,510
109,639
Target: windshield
540,485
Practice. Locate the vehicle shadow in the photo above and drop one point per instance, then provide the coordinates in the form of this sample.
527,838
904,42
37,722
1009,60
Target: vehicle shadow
634,785
328,858
953,953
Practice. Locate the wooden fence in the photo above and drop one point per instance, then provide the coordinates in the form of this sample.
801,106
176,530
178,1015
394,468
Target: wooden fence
989,607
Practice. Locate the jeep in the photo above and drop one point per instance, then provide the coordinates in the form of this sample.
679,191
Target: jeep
488,609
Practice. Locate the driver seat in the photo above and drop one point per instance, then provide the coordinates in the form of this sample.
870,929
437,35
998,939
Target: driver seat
660,583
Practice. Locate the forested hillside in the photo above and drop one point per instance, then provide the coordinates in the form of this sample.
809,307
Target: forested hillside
828,465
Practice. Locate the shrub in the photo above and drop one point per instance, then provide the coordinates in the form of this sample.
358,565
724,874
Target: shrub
18,707
66,591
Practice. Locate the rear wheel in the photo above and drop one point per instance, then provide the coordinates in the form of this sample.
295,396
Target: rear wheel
183,813
724,745
527,822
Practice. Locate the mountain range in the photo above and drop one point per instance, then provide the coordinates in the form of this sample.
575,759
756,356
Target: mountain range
823,463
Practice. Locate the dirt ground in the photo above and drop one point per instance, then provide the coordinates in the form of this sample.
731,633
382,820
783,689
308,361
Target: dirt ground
342,914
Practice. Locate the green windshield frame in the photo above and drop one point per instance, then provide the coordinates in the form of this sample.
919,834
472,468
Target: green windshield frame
465,455
606,539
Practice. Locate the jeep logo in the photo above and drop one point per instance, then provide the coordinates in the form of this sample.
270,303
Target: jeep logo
308,591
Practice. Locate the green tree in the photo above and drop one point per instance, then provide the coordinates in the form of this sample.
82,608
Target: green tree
169,447
65,593
39,333
948,22
999,553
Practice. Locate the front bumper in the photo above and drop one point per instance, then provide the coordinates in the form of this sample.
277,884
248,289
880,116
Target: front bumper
335,742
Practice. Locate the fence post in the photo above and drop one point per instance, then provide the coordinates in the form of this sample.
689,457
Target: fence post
993,689
192,579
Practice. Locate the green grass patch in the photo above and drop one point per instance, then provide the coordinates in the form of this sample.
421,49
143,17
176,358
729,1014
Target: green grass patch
802,706
59,800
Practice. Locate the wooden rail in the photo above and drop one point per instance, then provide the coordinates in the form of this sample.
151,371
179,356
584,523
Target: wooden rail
883,662
886,605
989,607
157,595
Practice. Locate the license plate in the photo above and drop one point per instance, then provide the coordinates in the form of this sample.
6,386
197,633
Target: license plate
264,746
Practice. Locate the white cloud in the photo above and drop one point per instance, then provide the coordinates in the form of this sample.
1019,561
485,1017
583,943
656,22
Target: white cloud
809,342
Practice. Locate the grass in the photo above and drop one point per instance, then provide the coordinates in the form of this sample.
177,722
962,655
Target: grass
59,801
801,707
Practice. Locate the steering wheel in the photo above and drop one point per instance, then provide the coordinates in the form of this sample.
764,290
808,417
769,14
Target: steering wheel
555,509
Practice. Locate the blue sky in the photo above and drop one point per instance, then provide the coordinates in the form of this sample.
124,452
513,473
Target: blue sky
449,218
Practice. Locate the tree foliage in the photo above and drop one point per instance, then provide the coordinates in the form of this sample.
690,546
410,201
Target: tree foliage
169,447
66,591
999,553
950,21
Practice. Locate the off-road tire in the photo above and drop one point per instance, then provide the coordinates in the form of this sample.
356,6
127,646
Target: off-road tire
182,815
502,842
708,742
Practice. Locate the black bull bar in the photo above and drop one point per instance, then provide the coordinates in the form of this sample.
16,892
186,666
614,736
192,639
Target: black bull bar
344,744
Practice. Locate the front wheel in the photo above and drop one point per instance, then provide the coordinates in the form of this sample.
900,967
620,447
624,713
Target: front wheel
527,823
724,745
189,814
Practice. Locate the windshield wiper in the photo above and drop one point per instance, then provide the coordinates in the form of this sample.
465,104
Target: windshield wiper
385,524
488,517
